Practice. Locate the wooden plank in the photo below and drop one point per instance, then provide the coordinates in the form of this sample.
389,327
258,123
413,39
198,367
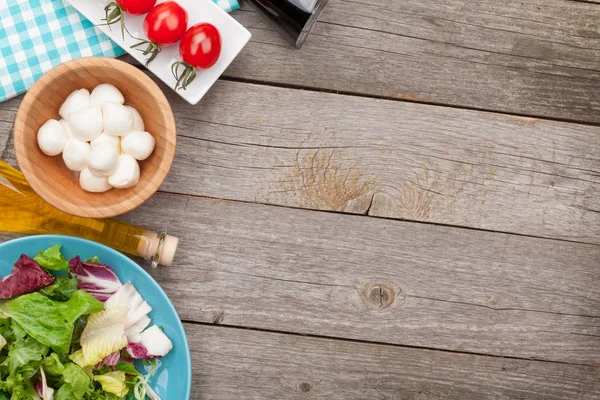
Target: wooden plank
533,57
378,280
8,110
389,159
236,364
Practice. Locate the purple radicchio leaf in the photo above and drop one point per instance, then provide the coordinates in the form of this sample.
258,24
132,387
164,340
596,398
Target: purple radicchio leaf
39,388
27,276
99,280
110,360
42,388
138,350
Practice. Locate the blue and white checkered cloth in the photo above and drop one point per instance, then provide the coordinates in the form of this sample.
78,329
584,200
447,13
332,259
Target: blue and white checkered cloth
37,35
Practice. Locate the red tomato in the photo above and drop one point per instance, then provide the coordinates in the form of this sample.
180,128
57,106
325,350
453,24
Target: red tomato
136,7
166,23
200,46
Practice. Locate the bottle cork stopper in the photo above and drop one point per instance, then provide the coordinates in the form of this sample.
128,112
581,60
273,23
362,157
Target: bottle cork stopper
169,248
149,247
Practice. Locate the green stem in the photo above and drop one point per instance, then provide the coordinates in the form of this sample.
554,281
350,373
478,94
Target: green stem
185,77
152,48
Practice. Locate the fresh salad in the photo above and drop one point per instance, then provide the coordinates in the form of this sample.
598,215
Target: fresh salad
70,330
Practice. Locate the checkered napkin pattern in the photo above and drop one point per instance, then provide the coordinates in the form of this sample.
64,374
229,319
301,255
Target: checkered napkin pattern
37,35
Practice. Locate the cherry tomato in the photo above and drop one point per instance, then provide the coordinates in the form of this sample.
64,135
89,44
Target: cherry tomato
199,48
136,7
166,23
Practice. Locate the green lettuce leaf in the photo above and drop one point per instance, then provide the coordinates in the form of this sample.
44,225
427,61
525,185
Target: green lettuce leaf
22,351
64,393
113,382
53,366
19,384
50,322
52,259
93,260
100,394
76,383
80,324
62,289
6,329
128,368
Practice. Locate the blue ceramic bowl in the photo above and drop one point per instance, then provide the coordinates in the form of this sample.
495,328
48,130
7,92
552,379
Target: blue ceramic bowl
173,379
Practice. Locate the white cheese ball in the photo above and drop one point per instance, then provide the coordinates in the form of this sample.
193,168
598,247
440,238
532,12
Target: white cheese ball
92,183
103,160
78,100
114,141
127,173
106,92
86,124
138,122
118,119
52,138
138,144
65,125
76,154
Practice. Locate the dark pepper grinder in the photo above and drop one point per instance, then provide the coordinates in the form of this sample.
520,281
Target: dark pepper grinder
293,18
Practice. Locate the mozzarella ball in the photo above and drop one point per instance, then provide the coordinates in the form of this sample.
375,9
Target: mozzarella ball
114,141
138,122
106,92
118,119
103,160
127,173
65,125
86,124
76,154
52,138
138,144
92,183
78,100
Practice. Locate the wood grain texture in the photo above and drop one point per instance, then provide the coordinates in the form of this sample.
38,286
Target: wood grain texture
8,110
533,57
379,280
389,159
49,176
242,364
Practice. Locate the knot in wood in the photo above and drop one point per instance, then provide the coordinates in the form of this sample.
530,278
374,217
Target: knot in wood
377,296
304,387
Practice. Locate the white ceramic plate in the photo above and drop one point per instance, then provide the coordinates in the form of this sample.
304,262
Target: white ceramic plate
233,35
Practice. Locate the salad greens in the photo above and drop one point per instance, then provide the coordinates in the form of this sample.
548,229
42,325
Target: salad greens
50,322
69,330
62,289
52,259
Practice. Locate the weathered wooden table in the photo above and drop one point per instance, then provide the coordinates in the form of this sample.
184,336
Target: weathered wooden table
406,208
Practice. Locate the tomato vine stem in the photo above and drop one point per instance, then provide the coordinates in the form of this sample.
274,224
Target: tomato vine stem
185,77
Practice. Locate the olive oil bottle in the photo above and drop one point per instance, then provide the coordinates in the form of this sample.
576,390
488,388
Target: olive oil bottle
23,211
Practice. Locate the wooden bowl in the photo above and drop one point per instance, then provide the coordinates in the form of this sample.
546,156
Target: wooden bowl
49,176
